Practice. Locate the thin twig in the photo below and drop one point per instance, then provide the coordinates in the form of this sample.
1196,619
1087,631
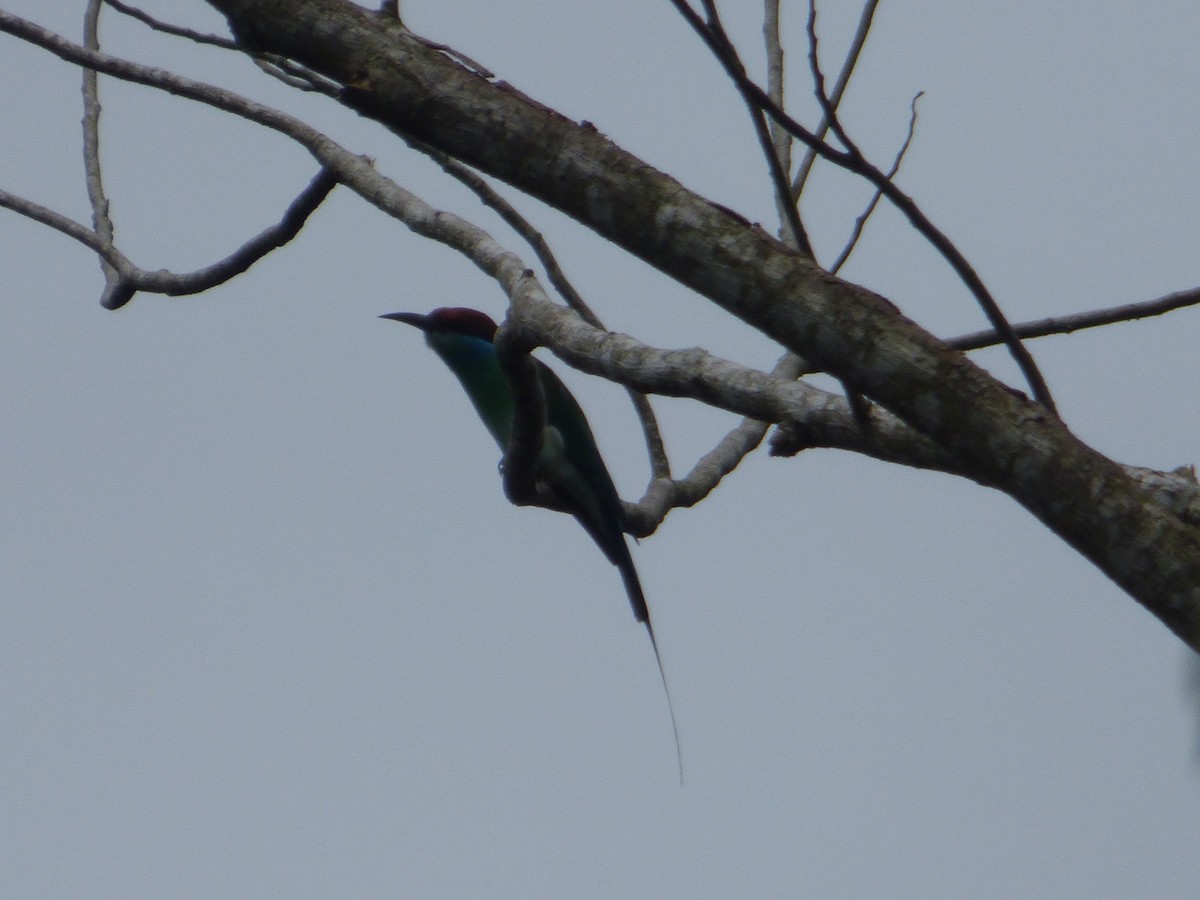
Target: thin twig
289,72
92,171
72,229
860,223
1079,321
779,177
781,140
828,107
783,149
859,165
839,89
130,279
716,382
167,28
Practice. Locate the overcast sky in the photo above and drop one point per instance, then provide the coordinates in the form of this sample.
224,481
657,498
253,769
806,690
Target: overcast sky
268,627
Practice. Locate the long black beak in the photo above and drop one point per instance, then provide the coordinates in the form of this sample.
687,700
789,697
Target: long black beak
417,320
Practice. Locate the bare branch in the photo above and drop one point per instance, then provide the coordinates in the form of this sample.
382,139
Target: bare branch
1053,325
828,108
762,398
492,199
128,279
290,73
354,171
667,494
861,222
167,28
693,373
271,238
859,165
72,229
812,418
890,440
839,89
92,171
1079,321
710,469
781,140
835,426
793,228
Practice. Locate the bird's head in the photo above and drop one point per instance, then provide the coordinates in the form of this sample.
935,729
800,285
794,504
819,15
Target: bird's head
448,320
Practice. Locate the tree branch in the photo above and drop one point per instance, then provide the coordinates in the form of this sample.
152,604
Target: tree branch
1079,321
841,328
102,223
129,279
861,222
854,161
167,28
291,74
666,494
853,55
780,139
72,229
994,433
793,228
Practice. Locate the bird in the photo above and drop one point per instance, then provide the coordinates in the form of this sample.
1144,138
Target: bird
569,466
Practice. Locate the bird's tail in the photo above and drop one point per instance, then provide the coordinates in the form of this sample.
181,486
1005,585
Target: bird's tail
633,587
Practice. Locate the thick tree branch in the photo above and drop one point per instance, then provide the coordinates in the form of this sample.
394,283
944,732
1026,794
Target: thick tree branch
993,433
996,433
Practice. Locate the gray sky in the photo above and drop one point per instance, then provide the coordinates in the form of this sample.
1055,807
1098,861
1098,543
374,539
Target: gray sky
268,627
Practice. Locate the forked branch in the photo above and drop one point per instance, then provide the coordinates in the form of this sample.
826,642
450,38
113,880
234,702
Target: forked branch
857,163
